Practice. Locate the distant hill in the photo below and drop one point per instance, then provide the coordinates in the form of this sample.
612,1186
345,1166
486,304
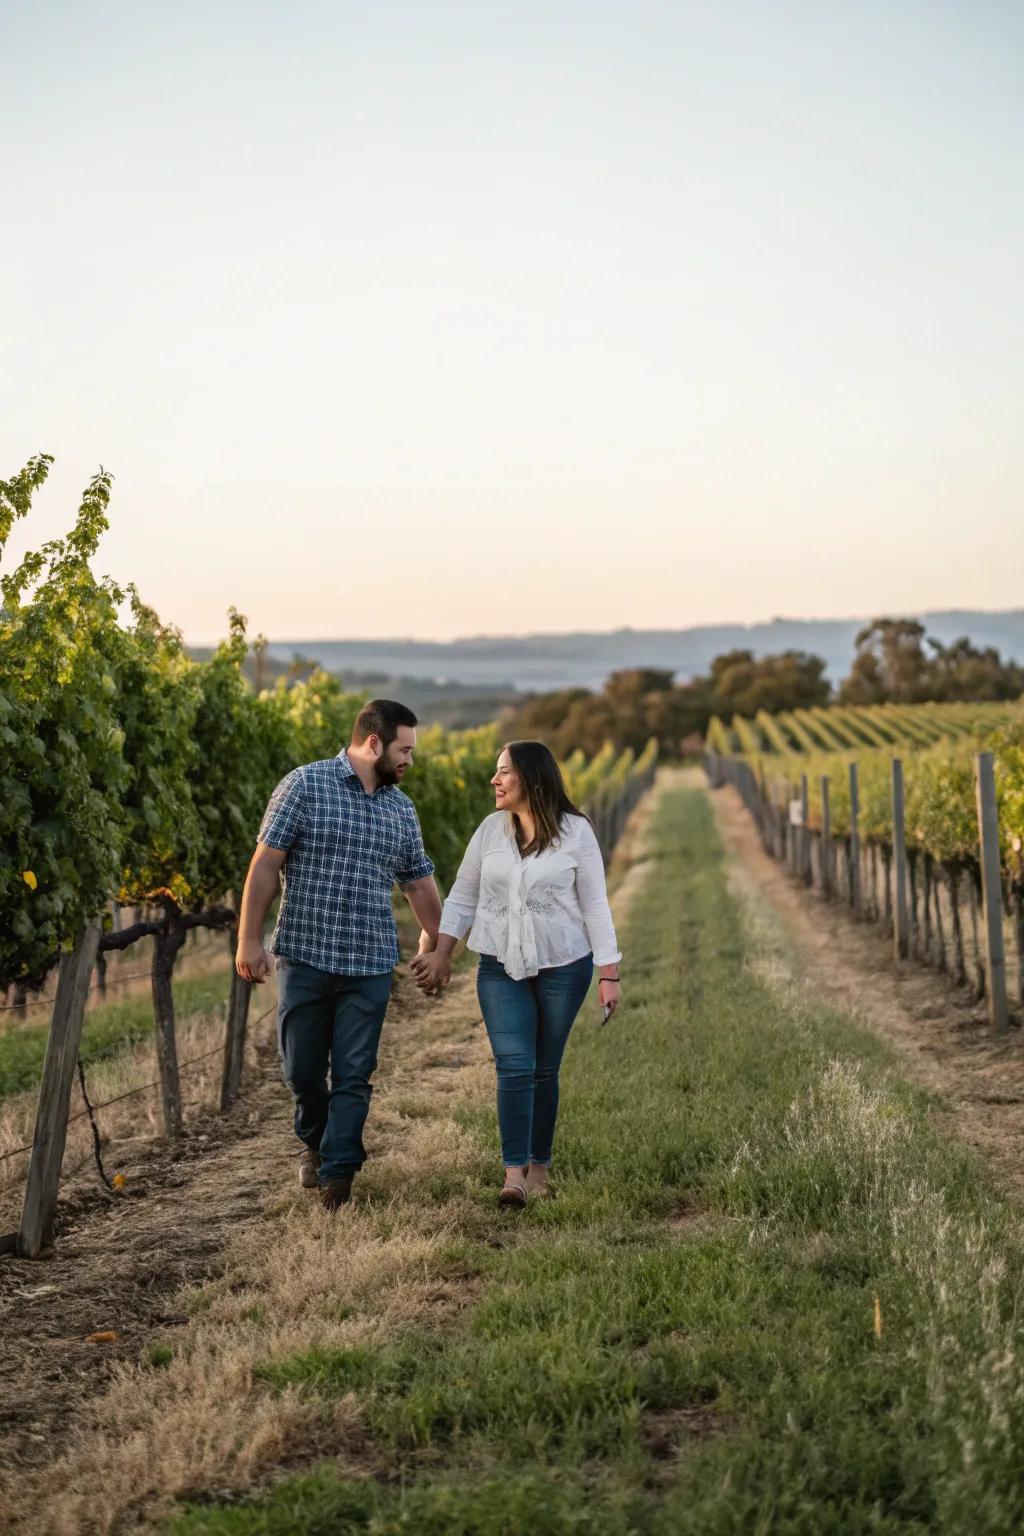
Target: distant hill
498,664
458,706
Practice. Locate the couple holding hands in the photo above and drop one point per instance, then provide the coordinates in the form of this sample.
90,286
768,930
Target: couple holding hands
337,836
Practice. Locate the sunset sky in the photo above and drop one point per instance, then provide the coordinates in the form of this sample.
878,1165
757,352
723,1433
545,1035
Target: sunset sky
428,319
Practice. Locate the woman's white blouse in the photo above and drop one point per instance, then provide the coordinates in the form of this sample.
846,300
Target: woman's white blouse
548,909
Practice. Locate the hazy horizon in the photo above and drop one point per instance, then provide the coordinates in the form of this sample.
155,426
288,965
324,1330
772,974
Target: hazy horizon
442,320
530,634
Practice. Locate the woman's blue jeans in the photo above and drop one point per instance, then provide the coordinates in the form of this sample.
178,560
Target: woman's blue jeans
528,1023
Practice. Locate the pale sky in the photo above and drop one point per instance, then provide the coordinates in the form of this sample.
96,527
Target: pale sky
430,319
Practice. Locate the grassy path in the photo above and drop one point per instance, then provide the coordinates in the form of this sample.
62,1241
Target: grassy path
685,1341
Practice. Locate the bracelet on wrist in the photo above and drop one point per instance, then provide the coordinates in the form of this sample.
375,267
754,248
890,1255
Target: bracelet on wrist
616,979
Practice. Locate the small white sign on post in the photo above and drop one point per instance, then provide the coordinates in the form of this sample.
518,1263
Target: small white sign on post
796,813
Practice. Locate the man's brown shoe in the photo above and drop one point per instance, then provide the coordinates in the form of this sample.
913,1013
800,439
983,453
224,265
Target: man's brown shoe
309,1167
336,1192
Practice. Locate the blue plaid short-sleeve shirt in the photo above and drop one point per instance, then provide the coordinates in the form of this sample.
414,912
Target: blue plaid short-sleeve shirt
346,852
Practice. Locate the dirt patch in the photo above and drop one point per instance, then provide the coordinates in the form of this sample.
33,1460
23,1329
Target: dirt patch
944,1038
667,1432
118,1262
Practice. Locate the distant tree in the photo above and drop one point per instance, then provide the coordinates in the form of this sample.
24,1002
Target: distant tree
545,717
589,723
889,665
896,663
743,684
964,672
678,715
632,697
637,703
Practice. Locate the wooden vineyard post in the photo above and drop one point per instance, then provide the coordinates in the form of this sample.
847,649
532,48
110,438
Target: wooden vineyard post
805,831
992,891
234,1039
899,849
854,872
826,840
166,943
55,1094
781,818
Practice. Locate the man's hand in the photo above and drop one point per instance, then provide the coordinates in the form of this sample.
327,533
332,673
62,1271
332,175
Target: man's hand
432,971
252,961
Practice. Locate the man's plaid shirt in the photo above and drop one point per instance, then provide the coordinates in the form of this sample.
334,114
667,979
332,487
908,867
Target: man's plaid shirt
346,851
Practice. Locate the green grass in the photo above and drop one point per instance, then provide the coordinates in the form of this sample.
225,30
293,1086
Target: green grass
109,1028
683,1341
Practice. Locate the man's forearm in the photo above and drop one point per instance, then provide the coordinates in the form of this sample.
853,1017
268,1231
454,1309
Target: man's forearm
423,898
260,889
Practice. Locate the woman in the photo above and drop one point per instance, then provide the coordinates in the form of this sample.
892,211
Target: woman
531,895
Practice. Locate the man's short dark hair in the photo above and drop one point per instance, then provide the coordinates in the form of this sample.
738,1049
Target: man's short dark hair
381,717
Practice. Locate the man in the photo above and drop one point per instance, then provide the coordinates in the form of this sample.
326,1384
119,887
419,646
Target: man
342,834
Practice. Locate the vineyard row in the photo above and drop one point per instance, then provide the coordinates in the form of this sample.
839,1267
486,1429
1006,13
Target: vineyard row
962,914
837,728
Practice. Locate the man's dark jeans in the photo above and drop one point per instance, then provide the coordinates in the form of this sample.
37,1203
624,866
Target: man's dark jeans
330,1022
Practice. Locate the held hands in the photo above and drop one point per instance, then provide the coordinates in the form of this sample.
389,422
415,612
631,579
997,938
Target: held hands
431,970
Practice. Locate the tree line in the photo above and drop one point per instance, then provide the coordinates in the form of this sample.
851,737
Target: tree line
894,662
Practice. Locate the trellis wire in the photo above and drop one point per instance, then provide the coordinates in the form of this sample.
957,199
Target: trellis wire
143,1088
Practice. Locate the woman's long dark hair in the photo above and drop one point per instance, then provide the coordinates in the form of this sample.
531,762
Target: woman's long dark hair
545,792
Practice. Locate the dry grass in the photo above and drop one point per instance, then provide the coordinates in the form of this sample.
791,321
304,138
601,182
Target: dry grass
128,1127
298,1279
808,951
293,1278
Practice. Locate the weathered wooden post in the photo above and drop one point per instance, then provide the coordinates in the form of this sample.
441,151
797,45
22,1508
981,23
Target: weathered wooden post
234,1039
854,871
780,813
166,943
992,890
51,1128
805,835
899,849
826,840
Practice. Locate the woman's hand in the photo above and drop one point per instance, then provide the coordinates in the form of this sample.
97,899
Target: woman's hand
609,990
431,971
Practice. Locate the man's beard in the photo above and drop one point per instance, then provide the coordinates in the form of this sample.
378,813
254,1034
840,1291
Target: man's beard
386,772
